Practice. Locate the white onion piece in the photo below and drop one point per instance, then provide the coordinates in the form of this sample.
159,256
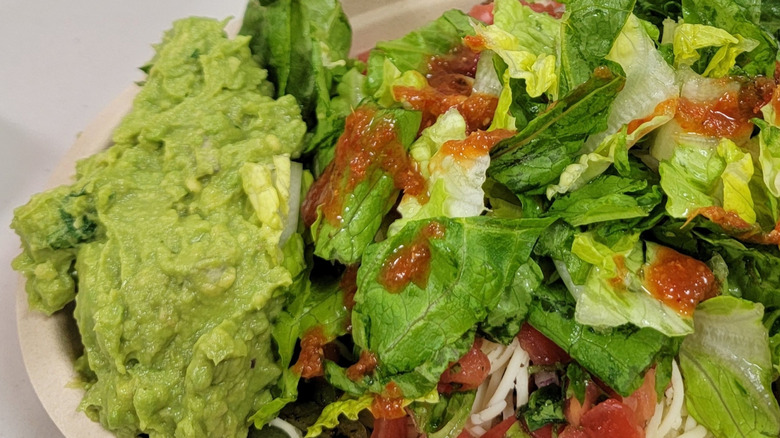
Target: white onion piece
293,202
286,427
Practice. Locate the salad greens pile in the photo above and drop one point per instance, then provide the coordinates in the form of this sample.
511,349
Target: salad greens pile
618,133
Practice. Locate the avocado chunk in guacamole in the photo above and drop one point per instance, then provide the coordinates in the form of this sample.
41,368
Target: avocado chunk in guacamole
175,243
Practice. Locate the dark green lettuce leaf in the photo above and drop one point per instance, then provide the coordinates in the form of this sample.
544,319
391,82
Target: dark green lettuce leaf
556,242
545,406
503,323
607,198
364,207
446,418
588,34
536,156
619,356
655,11
415,332
414,51
770,17
738,17
305,48
319,304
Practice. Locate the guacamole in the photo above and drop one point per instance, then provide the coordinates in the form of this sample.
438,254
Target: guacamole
175,243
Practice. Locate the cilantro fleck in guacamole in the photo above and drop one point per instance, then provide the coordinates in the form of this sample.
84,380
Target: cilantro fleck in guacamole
175,245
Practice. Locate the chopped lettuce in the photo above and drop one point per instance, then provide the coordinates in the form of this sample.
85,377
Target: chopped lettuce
538,154
444,418
454,181
527,42
607,198
329,418
650,81
650,88
589,32
737,18
417,323
618,356
305,47
689,38
366,203
413,51
614,294
727,367
769,155
698,177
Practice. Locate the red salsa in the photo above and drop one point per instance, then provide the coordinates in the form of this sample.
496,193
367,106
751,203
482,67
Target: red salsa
368,143
679,281
475,145
364,366
729,115
389,404
410,263
309,362
738,227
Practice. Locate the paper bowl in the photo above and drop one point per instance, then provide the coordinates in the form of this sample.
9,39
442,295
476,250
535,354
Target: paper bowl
50,344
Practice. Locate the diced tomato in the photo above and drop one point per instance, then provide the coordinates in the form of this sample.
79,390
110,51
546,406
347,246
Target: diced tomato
394,428
574,410
541,349
467,373
499,430
483,13
642,401
611,419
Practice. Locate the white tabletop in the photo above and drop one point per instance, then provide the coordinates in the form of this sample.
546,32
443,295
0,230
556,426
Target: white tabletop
60,64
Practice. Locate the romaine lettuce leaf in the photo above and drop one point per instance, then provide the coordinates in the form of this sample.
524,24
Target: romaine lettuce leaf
650,82
363,206
772,324
420,318
619,356
727,367
769,155
414,51
603,302
503,322
305,47
347,406
454,185
445,418
698,177
589,31
527,42
646,100
538,154
739,17
607,198
689,38
319,304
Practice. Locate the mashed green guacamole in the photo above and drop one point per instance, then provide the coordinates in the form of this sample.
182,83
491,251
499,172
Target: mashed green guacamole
171,242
